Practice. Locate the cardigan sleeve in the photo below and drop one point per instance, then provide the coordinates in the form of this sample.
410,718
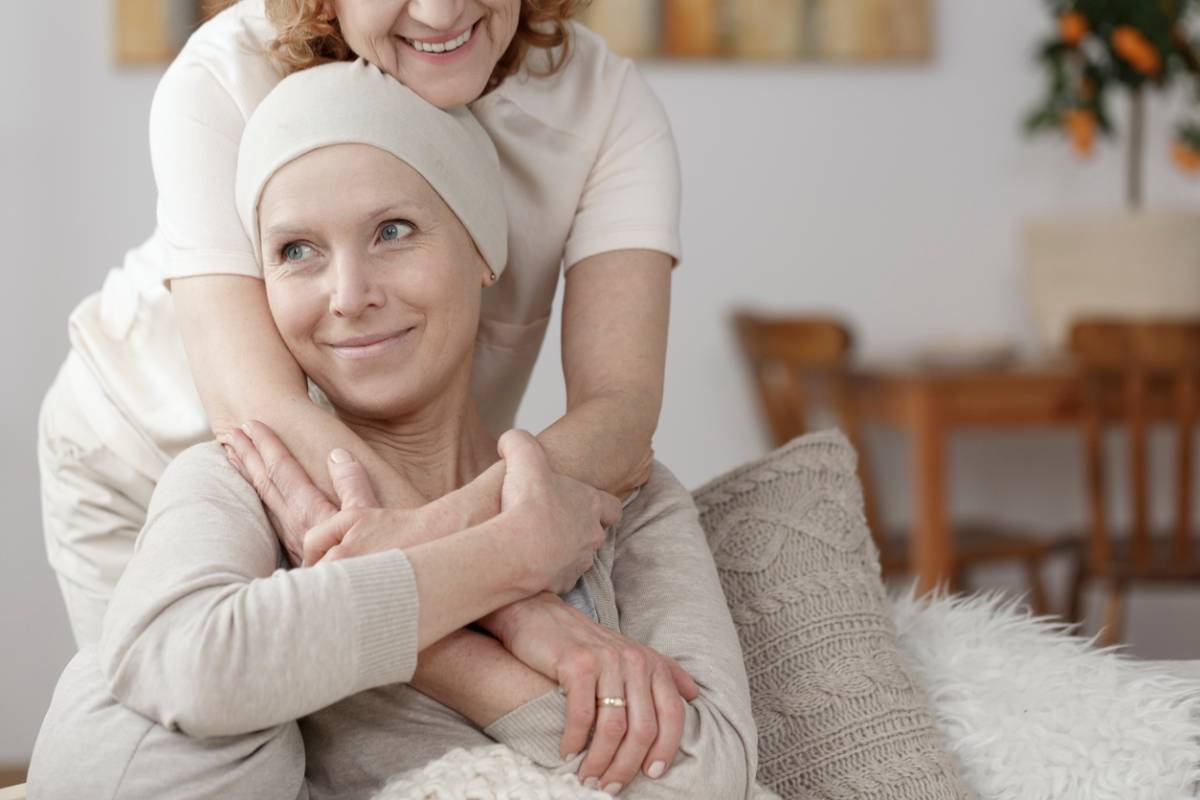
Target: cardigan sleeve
669,598
206,635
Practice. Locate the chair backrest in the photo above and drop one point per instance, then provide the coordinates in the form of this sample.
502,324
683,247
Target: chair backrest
1137,373
795,361
789,357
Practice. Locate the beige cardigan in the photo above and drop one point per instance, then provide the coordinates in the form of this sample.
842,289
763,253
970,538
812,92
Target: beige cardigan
207,635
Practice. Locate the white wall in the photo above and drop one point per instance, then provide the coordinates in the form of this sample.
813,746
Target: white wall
892,196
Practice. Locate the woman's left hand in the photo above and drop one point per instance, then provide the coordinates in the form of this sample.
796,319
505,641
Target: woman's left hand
305,520
293,502
590,661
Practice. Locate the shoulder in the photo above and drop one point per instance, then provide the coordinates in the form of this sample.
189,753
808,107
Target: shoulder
201,475
224,63
580,97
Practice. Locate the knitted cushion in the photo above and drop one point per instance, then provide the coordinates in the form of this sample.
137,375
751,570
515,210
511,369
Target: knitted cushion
838,711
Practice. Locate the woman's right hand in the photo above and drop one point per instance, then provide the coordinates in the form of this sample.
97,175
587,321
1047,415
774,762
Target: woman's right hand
588,661
561,520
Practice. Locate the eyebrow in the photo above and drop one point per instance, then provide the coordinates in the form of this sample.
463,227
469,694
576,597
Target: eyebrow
288,229
283,231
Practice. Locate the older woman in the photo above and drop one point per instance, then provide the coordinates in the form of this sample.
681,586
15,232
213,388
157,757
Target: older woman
590,179
379,222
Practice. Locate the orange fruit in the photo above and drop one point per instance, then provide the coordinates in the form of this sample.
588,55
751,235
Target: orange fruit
1131,45
1072,27
1080,125
1187,158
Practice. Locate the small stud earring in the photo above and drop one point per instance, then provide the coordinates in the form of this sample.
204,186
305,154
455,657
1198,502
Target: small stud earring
493,276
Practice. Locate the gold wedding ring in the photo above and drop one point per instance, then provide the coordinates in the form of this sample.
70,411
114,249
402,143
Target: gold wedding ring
610,702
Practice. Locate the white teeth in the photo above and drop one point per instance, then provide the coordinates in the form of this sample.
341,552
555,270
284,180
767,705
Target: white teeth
442,47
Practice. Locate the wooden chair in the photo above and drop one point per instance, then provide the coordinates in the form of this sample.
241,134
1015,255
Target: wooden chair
1135,373
797,361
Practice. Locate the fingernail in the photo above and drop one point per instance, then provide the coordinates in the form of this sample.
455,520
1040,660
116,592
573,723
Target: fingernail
340,456
656,769
246,428
591,783
613,788
570,757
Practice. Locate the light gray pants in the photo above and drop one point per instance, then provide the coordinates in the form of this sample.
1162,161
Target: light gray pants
93,501
91,746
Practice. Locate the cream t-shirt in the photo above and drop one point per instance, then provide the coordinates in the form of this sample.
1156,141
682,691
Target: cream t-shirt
589,166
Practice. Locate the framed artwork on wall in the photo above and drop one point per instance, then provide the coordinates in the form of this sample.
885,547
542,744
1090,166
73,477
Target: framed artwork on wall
772,30
152,31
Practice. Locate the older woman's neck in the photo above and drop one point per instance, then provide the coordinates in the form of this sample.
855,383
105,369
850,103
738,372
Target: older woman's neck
438,450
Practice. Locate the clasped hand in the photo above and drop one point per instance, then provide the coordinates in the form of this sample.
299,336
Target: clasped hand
586,659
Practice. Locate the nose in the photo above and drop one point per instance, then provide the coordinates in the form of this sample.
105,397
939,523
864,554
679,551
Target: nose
437,15
354,288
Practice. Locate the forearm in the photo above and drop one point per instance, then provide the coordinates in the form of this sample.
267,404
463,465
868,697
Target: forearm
216,642
605,440
468,575
671,600
311,434
473,674
616,307
198,639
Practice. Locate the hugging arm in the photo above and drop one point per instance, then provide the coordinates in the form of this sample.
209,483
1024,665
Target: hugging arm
239,363
670,599
614,345
623,244
205,635
229,335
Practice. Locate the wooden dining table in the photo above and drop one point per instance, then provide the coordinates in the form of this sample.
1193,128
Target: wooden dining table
930,403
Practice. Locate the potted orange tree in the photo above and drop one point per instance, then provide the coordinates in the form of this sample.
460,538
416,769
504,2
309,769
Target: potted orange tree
1135,262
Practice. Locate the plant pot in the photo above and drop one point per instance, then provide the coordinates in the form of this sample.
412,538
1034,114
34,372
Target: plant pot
1114,265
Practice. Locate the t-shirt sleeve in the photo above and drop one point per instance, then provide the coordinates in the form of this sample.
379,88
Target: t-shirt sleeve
630,200
195,130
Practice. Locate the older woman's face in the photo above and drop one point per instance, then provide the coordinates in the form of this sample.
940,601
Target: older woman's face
444,50
373,282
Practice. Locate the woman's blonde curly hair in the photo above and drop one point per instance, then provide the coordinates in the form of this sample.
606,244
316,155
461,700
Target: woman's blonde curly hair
308,38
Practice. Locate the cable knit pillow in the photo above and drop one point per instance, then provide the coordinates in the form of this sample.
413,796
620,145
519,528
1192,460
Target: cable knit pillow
839,713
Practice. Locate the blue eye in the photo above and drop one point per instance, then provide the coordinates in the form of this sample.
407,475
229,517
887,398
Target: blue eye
295,251
397,229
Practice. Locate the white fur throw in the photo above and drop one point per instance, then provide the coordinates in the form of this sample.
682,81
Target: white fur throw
1031,712
485,773
1028,711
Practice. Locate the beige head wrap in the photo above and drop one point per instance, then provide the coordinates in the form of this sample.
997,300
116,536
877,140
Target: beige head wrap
356,103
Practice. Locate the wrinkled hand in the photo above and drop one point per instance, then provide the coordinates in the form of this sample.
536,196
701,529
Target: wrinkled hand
590,661
562,520
293,502
361,527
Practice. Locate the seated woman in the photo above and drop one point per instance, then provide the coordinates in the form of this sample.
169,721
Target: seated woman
221,673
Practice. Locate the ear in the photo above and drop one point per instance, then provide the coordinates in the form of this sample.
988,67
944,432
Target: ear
328,12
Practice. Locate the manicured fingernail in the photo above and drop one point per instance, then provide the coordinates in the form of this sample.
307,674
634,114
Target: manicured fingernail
340,456
613,788
656,769
246,428
591,783
570,756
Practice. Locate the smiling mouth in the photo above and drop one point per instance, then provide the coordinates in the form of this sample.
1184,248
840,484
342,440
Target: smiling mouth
368,346
443,45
